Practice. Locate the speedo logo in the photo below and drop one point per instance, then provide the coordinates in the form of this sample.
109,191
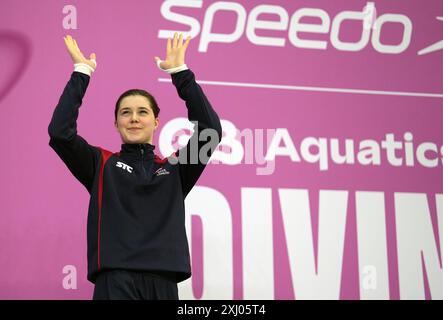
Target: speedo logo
249,23
124,166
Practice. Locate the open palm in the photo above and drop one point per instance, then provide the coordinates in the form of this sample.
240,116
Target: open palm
175,52
76,55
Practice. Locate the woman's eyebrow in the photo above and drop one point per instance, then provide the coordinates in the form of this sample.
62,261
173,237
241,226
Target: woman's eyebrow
140,108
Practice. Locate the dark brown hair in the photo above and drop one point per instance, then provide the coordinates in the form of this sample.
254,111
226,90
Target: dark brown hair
138,92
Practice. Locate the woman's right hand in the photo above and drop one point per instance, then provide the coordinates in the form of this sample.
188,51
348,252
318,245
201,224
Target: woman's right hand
76,55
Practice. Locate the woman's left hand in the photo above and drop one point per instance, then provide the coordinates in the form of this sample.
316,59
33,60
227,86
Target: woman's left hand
175,52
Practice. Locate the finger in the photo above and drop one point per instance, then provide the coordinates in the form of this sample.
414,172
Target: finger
174,41
72,45
77,49
188,39
67,40
157,61
69,44
180,40
93,57
169,46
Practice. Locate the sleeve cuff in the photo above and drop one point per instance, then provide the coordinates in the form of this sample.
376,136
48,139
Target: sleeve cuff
172,70
83,68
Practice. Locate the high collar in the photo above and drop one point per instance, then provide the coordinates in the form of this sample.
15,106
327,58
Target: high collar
139,149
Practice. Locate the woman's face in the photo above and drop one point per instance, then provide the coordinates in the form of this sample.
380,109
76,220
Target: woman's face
136,121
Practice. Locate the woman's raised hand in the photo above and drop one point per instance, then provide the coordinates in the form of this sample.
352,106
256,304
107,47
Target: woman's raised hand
175,52
76,55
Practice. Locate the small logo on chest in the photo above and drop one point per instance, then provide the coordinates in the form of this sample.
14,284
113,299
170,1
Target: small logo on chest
161,171
124,166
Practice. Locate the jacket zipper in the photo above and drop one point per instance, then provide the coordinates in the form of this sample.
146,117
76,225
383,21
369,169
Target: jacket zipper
143,167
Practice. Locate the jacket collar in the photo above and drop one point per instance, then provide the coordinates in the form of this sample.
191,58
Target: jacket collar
138,149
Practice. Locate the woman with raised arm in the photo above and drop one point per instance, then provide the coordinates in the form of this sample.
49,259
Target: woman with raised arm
137,244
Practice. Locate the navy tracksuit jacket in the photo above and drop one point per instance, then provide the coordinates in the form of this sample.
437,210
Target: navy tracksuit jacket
136,217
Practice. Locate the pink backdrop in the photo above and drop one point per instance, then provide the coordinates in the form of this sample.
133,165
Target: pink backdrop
308,92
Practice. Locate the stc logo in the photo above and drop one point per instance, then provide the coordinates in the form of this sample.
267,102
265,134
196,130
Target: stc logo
124,166
250,23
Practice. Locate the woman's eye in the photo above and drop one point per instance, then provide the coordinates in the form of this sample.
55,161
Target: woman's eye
126,112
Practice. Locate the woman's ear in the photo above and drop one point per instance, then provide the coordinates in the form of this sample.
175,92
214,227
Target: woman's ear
157,122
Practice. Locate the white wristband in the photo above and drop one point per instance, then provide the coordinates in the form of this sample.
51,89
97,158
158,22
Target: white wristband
84,68
172,70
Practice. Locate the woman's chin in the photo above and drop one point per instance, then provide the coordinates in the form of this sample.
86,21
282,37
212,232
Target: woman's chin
133,140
